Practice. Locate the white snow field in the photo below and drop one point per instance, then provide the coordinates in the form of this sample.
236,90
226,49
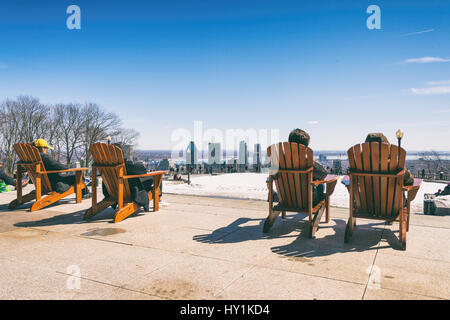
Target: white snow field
253,186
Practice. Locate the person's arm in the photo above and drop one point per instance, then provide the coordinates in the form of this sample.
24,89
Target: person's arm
408,179
51,164
134,168
319,171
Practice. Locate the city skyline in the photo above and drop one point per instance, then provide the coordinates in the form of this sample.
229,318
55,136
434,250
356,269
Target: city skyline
161,66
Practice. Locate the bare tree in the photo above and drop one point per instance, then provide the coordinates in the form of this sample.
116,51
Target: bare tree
69,128
97,125
126,136
9,134
69,119
21,120
434,162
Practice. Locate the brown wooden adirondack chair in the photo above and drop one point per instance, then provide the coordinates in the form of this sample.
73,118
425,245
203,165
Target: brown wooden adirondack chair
292,172
31,160
376,186
108,159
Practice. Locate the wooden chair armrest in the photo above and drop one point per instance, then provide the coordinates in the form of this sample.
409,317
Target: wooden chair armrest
66,170
328,179
149,174
412,190
414,186
377,174
21,163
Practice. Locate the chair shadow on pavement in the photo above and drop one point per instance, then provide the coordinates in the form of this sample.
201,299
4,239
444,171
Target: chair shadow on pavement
73,218
366,236
237,231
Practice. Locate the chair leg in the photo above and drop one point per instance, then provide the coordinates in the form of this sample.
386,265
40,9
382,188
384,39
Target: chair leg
403,227
314,224
99,207
26,198
328,209
78,186
51,198
125,211
155,195
349,228
408,217
270,220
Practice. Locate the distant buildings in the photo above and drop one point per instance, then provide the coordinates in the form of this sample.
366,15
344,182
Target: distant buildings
127,151
166,164
191,155
257,157
214,153
243,156
337,166
322,158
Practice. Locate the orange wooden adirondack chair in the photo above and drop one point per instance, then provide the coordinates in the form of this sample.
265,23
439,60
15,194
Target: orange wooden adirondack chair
292,172
108,159
31,160
376,186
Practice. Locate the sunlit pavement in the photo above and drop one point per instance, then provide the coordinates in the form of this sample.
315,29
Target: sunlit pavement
211,248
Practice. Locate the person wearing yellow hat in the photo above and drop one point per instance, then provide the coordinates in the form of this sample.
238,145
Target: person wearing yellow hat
59,182
42,145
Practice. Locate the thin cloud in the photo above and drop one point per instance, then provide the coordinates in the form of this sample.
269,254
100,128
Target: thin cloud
442,111
423,124
313,122
426,60
418,32
438,83
3,66
431,90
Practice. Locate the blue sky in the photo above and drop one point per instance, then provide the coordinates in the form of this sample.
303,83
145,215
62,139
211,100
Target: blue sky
315,65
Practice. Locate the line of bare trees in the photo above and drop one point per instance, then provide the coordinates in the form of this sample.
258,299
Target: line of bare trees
69,128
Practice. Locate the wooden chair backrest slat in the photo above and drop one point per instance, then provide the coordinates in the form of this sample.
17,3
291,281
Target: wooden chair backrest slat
29,155
375,194
110,157
292,187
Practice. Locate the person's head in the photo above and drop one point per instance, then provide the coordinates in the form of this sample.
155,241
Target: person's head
118,144
42,145
300,136
377,137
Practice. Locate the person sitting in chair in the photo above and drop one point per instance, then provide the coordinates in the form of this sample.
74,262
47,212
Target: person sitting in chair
408,179
59,182
319,172
139,187
6,178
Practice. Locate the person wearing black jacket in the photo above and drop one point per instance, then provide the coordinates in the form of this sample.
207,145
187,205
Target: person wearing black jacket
139,187
6,178
408,179
319,172
59,182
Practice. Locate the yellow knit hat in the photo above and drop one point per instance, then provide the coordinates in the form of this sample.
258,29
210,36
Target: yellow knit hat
42,143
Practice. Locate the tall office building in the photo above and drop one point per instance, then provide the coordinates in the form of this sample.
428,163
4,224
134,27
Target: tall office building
243,155
214,153
257,157
191,155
